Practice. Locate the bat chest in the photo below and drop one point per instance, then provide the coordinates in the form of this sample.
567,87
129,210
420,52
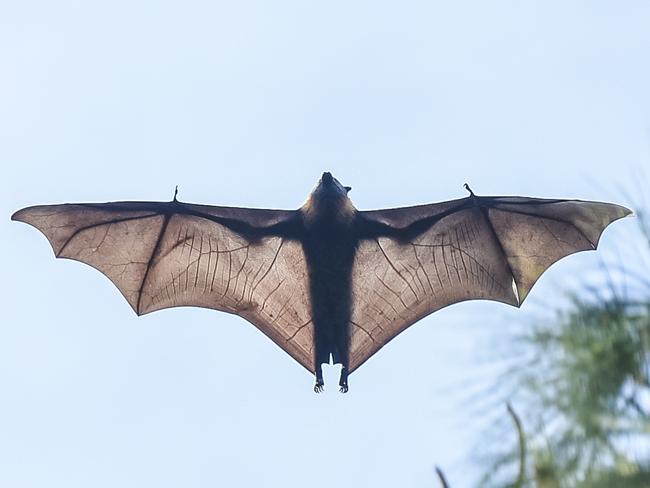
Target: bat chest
329,252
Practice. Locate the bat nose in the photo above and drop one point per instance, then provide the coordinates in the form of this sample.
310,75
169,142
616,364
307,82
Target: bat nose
327,178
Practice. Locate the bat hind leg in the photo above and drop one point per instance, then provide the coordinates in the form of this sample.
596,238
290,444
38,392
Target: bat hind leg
343,381
320,384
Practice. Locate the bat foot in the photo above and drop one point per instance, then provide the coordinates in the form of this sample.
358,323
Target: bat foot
319,386
343,381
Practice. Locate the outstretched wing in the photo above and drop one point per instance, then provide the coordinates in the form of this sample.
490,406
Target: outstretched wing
162,255
492,248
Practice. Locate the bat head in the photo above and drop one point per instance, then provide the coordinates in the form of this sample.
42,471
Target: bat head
329,199
330,186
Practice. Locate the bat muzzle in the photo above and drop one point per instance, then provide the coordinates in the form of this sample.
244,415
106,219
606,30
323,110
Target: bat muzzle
327,179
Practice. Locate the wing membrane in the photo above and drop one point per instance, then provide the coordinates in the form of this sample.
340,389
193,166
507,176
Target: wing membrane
492,248
162,255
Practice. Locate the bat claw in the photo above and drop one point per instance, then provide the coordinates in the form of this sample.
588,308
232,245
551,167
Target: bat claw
319,387
343,381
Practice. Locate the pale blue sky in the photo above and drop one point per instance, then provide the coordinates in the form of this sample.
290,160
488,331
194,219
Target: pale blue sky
246,103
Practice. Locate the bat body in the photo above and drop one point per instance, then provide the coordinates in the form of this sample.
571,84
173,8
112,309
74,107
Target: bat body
329,251
326,282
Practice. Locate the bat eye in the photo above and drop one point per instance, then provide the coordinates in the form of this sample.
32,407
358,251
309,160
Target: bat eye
348,188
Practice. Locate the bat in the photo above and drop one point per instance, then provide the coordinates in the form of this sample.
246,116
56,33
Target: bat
325,282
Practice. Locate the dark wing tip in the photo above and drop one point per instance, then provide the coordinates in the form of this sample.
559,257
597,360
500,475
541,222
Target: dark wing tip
18,215
617,212
25,214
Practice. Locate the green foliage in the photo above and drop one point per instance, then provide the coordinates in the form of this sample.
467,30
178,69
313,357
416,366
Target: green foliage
584,392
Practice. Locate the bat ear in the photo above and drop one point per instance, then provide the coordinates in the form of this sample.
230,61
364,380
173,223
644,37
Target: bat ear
348,188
